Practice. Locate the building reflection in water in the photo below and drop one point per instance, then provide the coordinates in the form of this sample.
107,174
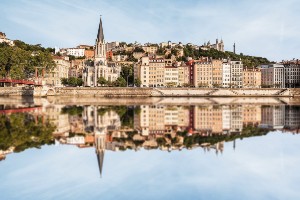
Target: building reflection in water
164,127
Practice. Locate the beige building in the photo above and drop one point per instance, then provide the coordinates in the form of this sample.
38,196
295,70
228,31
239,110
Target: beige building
171,76
143,71
217,73
76,68
58,119
203,72
183,74
156,72
160,119
151,71
61,70
150,49
251,78
251,115
208,119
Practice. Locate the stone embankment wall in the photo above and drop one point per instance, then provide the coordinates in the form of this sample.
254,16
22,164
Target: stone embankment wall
16,91
146,92
169,92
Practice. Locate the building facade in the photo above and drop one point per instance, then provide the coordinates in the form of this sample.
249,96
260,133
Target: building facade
251,78
236,72
292,73
77,52
203,72
226,78
61,70
273,76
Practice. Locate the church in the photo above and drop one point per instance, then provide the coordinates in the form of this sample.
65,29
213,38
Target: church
100,67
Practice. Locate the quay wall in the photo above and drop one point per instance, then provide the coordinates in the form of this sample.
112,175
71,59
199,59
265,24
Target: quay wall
171,92
146,92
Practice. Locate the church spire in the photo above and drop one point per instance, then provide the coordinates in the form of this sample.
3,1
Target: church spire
100,35
100,158
100,140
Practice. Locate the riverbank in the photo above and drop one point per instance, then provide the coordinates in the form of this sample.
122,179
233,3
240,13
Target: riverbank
171,92
146,92
183,101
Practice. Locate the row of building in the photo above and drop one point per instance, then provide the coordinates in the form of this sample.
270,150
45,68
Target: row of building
102,60
154,124
207,72
154,71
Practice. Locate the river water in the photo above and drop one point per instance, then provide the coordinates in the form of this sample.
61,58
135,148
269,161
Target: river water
187,148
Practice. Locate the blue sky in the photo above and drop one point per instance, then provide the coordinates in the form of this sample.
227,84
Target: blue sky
266,28
264,167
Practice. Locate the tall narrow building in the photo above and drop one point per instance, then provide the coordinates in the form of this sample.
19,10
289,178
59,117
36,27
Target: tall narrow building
100,67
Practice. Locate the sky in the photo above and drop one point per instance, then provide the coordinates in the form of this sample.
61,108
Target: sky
265,167
266,28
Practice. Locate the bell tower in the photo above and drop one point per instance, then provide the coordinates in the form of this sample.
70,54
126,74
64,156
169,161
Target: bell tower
100,50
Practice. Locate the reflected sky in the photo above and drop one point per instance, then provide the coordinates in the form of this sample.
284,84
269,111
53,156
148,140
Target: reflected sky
198,151
259,168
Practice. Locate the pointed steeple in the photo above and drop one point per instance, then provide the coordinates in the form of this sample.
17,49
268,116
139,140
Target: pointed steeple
100,158
100,140
100,35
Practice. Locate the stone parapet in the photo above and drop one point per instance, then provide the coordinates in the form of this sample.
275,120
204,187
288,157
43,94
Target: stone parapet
16,91
169,92
145,92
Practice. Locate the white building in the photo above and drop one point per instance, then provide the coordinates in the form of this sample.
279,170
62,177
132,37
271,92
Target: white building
273,76
77,52
236,71
3,39
226,74
75,140
292,73
218,45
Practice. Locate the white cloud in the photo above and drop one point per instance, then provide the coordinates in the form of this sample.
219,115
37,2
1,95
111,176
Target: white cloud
262,28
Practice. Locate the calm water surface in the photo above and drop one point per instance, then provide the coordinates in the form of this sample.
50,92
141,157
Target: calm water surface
149,149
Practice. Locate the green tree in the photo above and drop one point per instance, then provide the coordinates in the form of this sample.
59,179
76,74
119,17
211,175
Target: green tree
64,81
102,81
137,82
22,131
72,81
138,49
19,61
120,82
